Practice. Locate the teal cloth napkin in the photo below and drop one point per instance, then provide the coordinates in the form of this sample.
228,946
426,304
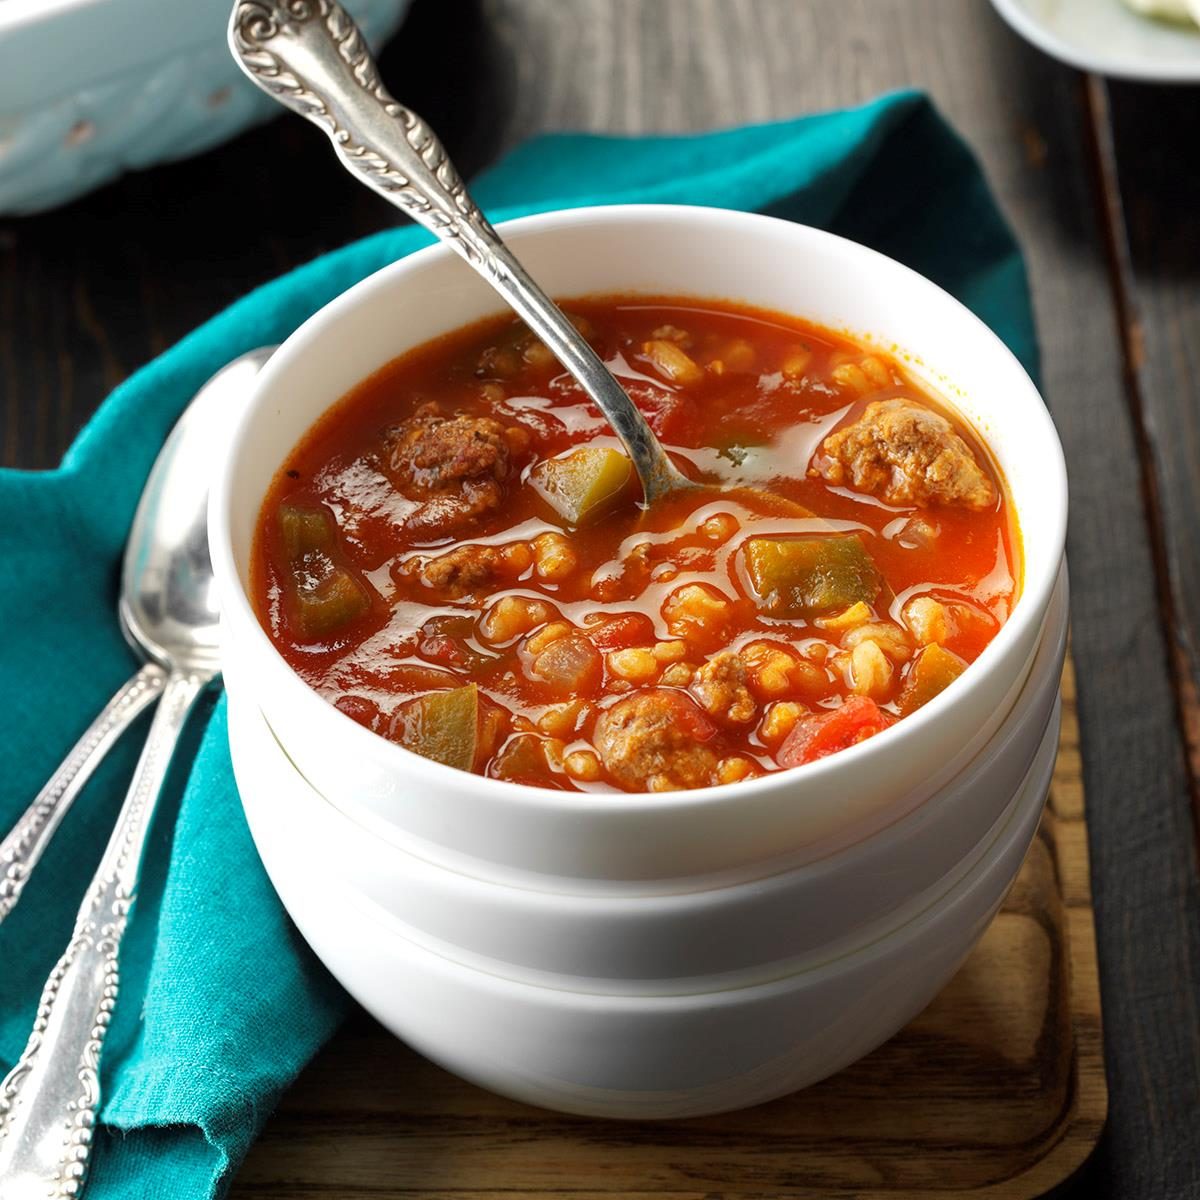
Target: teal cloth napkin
221,1002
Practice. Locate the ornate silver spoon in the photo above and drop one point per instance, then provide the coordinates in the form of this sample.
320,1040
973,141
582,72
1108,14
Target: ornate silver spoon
49,1101
310,56
26,842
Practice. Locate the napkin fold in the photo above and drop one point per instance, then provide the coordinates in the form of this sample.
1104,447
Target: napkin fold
221,1002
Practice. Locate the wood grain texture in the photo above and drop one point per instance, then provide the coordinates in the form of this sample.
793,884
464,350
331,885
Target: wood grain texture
1155,202
91,291
996,1090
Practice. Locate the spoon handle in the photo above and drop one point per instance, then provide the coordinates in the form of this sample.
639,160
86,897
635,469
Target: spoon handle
310,56
25,843
49,1100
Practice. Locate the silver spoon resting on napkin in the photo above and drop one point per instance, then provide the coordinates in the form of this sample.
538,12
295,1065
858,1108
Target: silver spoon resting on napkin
168,612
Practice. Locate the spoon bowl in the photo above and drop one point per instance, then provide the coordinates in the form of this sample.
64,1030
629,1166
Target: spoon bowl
168,607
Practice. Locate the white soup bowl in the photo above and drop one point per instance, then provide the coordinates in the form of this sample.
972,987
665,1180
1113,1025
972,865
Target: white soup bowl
660,250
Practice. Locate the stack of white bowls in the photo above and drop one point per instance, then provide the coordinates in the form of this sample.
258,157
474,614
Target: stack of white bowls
652,955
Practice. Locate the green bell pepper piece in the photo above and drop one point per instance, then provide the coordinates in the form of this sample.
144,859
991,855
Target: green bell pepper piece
443,726
810,576
582,485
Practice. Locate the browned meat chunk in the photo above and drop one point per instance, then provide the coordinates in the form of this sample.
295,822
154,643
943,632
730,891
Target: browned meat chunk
654,741
462,571
466,570
720,686
459,464
905,453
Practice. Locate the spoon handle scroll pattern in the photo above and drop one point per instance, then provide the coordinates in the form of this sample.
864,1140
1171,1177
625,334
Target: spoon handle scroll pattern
310,56
50,1099
26,842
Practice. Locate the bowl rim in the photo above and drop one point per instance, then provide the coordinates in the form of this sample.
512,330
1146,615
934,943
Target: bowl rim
1029,610
1049,657
1014,829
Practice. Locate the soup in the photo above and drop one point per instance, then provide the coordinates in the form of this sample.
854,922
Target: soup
456,557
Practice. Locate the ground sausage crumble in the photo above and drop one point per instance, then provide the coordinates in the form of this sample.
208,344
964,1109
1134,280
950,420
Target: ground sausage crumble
905,453
457,465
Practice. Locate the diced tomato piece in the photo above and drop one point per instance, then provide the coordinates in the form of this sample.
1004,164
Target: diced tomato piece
440,648
359,708
826,733
444,640
621,632
665,411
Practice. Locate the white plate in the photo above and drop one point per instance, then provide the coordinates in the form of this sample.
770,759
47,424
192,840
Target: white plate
1107,37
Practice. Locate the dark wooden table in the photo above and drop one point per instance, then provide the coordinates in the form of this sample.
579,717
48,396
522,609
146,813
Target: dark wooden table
1100,183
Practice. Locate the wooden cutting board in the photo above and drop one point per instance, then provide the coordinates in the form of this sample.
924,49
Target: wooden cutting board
996,1090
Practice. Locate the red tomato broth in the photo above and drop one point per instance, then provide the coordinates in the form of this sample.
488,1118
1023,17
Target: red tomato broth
745,425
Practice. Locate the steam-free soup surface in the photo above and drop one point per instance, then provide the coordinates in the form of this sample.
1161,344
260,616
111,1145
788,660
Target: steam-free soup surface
456,556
